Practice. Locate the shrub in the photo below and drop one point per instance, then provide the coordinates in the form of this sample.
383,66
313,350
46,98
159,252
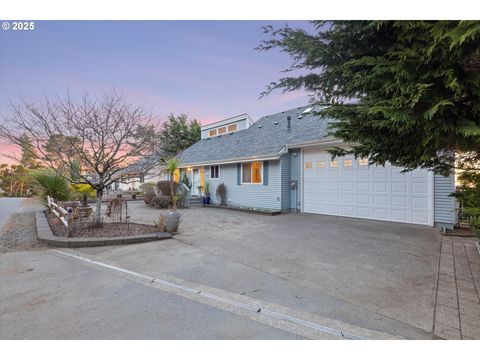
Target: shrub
221,194
160,223
164,187
161,201
148,196
468,196
52,185
79,191
147,186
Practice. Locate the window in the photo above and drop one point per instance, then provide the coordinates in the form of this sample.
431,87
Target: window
232,127
252,172
212,132
320,164
214,172
222,130
363,162
334,163
347,163
308,165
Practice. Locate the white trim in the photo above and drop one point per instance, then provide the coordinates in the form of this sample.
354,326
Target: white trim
319,144
251,173
227,121
210,172
230,161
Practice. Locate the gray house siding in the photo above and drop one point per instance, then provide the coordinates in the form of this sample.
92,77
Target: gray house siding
444,205
249,195
285,169
296,174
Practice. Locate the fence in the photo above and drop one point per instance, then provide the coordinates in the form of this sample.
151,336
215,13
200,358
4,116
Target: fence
65,215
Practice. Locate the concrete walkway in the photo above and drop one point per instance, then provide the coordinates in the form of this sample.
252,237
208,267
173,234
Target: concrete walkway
7,207
457,311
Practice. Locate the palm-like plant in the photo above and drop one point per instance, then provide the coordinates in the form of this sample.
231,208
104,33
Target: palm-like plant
171,167
52,185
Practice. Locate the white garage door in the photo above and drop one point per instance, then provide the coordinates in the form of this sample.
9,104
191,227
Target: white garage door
349,187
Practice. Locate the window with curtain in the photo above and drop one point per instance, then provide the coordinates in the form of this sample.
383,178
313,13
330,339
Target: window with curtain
252,172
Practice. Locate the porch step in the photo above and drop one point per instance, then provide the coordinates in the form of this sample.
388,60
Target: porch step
196,201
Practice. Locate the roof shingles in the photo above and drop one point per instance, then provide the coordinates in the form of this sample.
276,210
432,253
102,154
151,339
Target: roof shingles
264,139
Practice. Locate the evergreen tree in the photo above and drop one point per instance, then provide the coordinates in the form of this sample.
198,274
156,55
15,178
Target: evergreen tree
406,92
177,134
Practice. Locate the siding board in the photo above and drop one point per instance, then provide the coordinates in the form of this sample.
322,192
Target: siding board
444,205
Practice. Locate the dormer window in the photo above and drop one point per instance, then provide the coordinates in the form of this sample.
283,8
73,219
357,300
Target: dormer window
222,130
232,127
212,132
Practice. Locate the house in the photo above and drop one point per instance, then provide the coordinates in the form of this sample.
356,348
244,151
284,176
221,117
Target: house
281,163
146,169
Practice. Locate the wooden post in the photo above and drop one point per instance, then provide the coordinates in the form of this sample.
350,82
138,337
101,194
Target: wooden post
69,218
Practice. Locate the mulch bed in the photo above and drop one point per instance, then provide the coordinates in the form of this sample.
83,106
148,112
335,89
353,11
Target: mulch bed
462,231
88,230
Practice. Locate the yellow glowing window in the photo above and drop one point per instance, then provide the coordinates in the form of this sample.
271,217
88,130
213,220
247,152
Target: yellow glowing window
334,163
347,163
212,132
308,165
363,162
252,172
232,127
222,130
320,164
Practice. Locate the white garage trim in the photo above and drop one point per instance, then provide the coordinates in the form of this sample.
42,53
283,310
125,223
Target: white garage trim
351,189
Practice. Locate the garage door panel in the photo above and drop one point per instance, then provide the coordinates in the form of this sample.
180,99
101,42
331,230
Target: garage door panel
379,173
363,186
399,201
363,199
419,187
380,200
363,174
399,187
347,186
350,187
380,187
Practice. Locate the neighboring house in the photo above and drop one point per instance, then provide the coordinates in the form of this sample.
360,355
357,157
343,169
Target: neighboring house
281,163
147,169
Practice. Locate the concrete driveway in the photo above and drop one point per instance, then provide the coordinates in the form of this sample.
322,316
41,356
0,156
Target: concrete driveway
379,275
367,278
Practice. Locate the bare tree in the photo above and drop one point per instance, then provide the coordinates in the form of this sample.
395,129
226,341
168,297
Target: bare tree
99,137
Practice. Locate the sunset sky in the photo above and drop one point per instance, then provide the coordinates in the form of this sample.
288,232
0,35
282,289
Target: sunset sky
207,69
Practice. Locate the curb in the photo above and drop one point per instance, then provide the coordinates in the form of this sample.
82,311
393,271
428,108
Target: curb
45,234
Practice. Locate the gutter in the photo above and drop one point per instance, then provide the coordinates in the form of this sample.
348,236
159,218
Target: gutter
229,161
311,144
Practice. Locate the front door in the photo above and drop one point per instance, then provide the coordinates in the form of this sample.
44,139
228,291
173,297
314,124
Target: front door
195,182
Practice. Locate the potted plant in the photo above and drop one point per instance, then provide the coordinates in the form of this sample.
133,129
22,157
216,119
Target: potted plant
172,216
206,198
